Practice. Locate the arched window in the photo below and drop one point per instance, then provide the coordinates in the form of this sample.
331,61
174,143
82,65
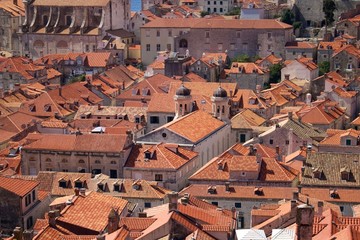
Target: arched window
113,162
81,161
62,44
183,43
97,162
38,44
32,159
64,160
45,19
48,160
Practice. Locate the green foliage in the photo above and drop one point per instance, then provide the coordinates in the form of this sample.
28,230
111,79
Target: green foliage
79,78
204,13
324,67
234,12
297,25
241,58
275,73
288,17
329,7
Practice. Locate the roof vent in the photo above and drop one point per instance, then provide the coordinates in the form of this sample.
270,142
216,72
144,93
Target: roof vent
212,189
258,191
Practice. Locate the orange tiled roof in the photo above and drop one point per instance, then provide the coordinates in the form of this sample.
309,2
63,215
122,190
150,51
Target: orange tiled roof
202,121
92,206
343,93
349,49
52,73
269,58
162,156
330,45
243,192
335,139
17,186
336,78
13,9
193,77
307,62
20,65
245,68
356,121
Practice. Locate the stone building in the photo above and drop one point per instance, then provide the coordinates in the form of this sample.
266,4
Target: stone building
326,49
11,16
199,35
62,26
347,60
349,26
309,12
218,7
21,203
91,153
295,49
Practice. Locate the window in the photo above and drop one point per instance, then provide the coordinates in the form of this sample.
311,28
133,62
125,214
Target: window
62,184
215,203
271,141
147,205
137,120
269,34
214,2
117,188
287,142
341,208
238,204
164,135
29,222
65,170
87,48
221,9
158,33
158,47
158,177
154,120
48,169
232,46
214,10
242,138
168,47
148,47
348,142
207,34
183,43
33,195
221,2
97,162
94,48
27,200
81,161
78,184
208,2
220,46
68,20
169,33
325,56
113,162
147,33
269,47
349,66
238,34
101,186
169,118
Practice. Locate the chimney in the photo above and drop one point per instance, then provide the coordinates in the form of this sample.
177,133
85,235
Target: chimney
293,204
320,208
28,234
277,148
142,215
295,196
52,218
60,91
18,233
308,99
113,221
287,76
82,191
227,186
290,115
252,150
76,191
99,106
15,2
258,89
304,221
101,236
173,201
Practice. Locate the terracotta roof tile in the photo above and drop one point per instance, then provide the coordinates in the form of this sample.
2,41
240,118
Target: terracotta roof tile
17,186
300,45
349,49
244,68
162,156
203,122
20,65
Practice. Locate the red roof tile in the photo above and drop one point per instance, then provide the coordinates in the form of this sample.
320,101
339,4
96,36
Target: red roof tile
18,186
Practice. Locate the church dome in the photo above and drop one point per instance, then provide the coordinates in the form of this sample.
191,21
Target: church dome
220,92
183,91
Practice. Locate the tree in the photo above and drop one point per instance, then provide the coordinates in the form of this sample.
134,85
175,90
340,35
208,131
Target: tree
329,7
204,13
233,12
324,67
288,17
275,73
241,58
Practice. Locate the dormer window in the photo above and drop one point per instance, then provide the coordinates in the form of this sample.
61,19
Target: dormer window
345,173
334,193
78,184
62,183
136,185
47,108
32,108
317,173
348,142
258,191
212,189
147,154
101,186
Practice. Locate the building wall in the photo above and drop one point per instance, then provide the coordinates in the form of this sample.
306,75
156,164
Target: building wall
9,40
294,53
324,55
309,12
252,13
35,161
219,7
347,64
298,70
347,27
249,80
8,80
163,119
10,209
